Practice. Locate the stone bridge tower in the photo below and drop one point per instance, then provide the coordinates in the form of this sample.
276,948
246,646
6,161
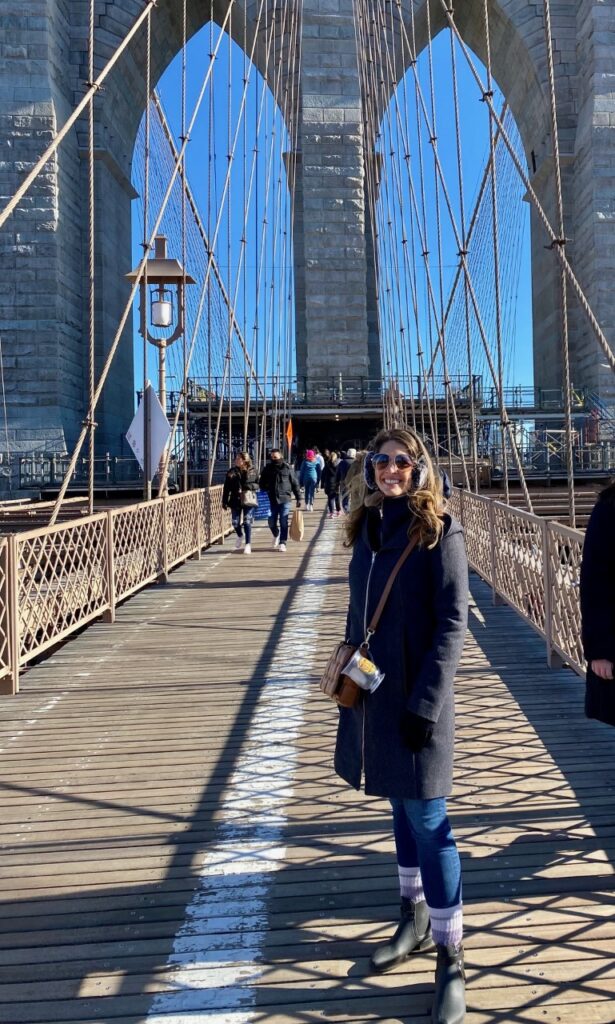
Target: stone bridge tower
43,66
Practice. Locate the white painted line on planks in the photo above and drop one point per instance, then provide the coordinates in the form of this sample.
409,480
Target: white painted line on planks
217,958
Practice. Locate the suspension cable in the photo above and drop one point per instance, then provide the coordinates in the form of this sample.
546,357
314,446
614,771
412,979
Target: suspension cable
560,243
553,236
141,270
496,249
91,264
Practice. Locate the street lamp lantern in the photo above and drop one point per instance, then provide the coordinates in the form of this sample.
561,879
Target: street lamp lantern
162,307
167,278
165,281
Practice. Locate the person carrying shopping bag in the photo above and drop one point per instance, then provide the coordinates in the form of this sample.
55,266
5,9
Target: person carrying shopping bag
279,481
239,495
398,740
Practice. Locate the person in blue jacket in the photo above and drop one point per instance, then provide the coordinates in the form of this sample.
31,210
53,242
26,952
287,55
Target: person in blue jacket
309,478
399,739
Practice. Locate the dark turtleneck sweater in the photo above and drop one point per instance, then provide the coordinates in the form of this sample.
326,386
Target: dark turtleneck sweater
386,519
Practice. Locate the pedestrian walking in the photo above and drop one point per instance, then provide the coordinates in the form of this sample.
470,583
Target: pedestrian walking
280,482
331,487
239,495
598,608
345,463
309,475
399,738
320,462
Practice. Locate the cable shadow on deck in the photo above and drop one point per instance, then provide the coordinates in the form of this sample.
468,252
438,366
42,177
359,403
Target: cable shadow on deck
91,950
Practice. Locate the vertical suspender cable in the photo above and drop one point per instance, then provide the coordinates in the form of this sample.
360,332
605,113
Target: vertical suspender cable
432,141
147,483
184,248
496,253
558,249
211,455
138,279
462,220
91,264
561,242
229,242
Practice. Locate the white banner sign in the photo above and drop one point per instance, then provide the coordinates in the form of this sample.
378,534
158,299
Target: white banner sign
159,432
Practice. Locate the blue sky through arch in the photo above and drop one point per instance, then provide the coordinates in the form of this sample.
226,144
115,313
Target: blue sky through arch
206,169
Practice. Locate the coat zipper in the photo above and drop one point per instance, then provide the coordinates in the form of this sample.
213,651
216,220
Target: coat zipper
369,576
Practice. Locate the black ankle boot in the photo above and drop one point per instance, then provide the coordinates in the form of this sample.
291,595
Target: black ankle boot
412,935
449,1005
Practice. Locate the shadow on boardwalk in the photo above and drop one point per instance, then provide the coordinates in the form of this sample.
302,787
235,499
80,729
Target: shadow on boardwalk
117,833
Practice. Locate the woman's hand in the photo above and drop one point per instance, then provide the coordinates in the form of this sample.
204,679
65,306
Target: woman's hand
602,668
416,731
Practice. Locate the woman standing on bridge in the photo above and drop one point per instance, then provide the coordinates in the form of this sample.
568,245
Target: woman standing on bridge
598,608
400,737
239,495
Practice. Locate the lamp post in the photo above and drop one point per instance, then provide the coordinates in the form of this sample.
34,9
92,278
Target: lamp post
162,300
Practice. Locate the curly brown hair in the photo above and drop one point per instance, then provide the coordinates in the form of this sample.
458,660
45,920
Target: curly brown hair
426,504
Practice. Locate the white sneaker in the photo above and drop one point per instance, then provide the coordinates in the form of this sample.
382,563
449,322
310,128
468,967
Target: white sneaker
239,544
282,547
276,542
248,549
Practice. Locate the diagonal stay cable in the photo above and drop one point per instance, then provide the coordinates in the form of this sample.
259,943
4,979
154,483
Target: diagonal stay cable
133,291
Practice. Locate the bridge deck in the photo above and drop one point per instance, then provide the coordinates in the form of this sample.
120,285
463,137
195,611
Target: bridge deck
175,847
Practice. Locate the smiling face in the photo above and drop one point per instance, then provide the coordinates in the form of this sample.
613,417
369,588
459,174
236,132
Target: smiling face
394,476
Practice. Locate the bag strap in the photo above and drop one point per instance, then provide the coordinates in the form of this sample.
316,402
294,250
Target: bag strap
371,629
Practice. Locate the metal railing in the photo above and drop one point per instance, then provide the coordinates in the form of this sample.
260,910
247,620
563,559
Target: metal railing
54,580
347,390
49,470
532,564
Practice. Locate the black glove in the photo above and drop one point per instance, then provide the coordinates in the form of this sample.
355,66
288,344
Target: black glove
416,731
298,504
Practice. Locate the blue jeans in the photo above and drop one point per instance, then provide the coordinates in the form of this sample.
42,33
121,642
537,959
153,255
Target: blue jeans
279,511
333,503
310,490
424,838
243,517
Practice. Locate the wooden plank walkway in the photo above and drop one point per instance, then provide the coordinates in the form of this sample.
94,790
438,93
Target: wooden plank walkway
176,849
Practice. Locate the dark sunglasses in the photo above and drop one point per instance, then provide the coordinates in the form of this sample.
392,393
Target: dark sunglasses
381,460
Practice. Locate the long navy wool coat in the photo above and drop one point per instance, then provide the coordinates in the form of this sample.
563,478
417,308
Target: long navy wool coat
598,606
417,645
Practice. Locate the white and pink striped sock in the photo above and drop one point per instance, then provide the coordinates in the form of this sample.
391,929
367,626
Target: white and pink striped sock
447,925
411,884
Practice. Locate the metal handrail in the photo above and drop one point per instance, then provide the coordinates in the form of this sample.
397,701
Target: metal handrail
532,564
56,579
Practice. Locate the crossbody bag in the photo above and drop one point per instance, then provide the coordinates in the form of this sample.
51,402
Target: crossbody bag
334,683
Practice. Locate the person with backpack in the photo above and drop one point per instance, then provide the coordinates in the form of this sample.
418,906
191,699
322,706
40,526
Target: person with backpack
279,481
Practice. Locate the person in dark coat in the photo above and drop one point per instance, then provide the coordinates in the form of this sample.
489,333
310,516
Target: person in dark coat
280,482
598,608
345,463
331,487
399,739
239,482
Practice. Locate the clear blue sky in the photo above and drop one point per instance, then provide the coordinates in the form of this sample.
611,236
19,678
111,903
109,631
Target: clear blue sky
269,262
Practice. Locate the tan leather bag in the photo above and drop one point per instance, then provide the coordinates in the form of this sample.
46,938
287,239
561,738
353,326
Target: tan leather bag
296,528
331,680
343,690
